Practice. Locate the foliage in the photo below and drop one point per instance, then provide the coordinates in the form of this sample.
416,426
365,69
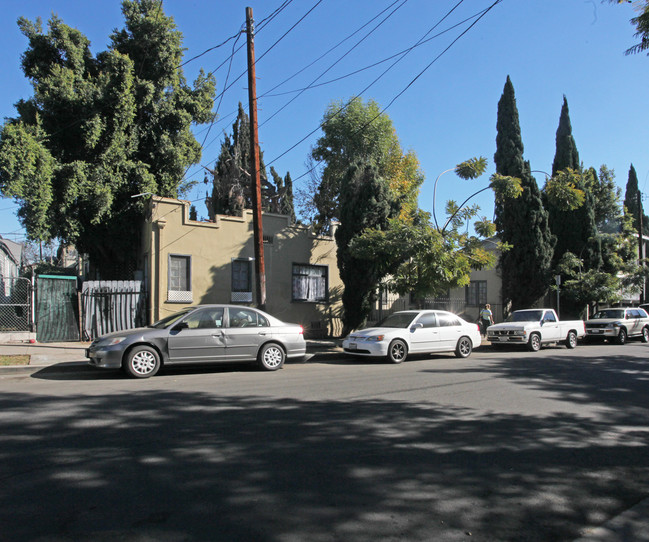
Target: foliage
366,202
522,223
232,187
356,131
606,195
100,129
566,155
641,23
633,203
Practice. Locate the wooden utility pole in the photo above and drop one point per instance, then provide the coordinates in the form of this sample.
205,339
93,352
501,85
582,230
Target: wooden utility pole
260,268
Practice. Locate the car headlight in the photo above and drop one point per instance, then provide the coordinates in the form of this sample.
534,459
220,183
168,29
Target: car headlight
520,333
614,324
113,341
376,338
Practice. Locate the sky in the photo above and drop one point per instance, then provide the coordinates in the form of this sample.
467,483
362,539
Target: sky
442,96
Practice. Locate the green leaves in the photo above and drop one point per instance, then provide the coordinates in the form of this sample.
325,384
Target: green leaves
472,168
99,129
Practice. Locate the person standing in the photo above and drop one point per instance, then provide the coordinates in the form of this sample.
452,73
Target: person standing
486,319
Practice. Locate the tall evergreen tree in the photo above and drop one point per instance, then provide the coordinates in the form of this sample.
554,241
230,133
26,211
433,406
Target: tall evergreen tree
520,222
366,202
631,207
574,229
231,178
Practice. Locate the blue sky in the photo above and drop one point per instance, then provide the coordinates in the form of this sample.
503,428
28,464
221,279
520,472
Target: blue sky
443,102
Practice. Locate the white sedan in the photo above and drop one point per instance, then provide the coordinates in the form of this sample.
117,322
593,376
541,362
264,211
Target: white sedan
416,332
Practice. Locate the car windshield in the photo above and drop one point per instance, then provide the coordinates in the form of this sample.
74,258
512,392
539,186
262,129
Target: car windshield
171,319
398,319
526,316
609,313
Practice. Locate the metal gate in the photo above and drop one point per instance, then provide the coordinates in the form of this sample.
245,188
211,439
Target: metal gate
57,308
109,306
15,304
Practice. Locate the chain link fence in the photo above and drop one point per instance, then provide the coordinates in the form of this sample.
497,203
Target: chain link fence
15,304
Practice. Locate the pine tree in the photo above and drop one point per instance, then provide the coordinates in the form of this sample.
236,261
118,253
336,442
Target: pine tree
631,207
575,230
520,222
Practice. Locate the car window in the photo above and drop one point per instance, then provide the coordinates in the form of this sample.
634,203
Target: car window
609,313
428,319
247,318
211,318
397,319
525,316
643,313
549,317
171,319
447,320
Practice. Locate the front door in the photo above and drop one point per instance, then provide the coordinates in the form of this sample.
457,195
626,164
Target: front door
424,333
199,337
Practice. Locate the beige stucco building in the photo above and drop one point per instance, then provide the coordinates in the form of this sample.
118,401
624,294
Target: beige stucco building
189,262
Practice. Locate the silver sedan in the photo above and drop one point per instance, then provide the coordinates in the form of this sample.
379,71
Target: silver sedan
201,334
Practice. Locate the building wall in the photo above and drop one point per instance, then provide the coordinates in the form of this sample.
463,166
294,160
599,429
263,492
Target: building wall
213,245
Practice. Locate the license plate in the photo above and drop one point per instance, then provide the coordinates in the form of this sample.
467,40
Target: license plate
352,346
503,339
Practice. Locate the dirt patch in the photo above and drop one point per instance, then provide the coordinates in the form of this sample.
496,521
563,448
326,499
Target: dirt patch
17,359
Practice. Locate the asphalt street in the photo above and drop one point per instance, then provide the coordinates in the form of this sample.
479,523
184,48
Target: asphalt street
504,445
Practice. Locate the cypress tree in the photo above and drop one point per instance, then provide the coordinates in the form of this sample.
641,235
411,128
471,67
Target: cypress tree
631,202
521,222
575,230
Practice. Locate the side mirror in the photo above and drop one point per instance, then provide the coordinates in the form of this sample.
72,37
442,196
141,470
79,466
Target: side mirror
416,326
181,325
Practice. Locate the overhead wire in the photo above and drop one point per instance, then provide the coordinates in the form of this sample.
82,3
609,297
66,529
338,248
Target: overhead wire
403,2
346,105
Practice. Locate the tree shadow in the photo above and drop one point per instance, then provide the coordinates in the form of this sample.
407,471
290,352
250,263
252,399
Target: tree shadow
152,463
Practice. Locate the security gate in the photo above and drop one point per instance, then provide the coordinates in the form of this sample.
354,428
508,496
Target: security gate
15,304
57,308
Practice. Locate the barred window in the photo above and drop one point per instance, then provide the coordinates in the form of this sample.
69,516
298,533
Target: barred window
310,283
241,276
476,293
179,279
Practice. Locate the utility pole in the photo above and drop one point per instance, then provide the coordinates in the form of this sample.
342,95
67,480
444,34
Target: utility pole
260,268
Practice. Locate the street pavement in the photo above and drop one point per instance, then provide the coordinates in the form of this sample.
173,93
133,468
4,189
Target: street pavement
630,526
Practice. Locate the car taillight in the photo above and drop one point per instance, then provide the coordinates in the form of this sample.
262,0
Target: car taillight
301,332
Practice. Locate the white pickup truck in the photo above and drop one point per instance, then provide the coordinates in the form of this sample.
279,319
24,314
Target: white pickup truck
536,327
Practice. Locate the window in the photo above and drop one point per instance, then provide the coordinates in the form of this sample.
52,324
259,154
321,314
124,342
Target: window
428,319
179,279
310,283
247,318
205,319
447,320
241,281
476,293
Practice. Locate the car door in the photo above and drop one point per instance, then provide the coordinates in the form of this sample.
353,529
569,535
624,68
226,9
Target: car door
424,333
246,331
450,331
199,337
633,322
550,327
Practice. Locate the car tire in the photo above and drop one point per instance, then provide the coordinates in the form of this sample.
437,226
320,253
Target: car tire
271,357
142,362
534,344
571,340
621,336
464,347
397,351
645,335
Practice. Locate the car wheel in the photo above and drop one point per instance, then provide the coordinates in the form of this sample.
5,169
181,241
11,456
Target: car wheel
621,337
571,340
142,362
271,357
464,347
534,343
645,335
397,351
